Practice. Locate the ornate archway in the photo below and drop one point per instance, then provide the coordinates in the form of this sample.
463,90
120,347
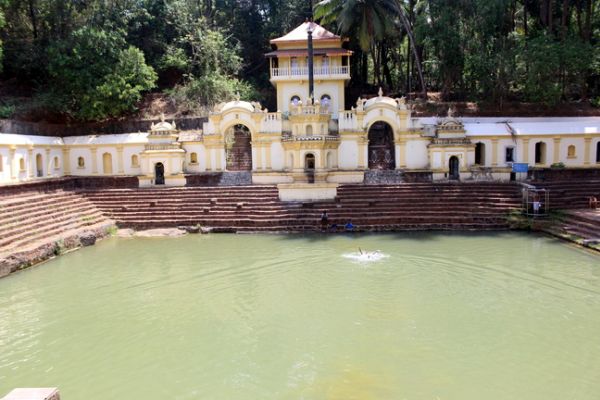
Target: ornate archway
381,146
238,148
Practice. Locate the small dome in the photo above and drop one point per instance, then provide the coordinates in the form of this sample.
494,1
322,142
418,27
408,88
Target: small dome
163,125
237,104
381,100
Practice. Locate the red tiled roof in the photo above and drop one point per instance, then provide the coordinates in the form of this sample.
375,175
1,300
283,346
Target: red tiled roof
300,34
304,53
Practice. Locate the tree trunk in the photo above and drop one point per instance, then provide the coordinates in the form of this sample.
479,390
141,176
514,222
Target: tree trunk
525,24
564,19
588,21
33,18
413,46
550,14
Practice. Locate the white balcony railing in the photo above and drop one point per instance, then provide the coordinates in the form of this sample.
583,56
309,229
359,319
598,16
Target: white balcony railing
321,72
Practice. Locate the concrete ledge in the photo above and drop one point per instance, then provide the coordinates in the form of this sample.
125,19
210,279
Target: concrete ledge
33,394
307,191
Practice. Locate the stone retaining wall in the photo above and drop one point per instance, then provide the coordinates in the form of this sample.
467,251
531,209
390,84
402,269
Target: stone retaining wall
219,179
562,174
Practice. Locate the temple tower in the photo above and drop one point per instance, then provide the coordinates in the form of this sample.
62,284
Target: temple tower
289,68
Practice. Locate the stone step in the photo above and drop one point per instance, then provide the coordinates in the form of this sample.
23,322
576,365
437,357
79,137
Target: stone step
28,218
50,230
28,230
50,203
36,202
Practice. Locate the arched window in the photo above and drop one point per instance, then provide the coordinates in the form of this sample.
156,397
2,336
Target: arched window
1,163
291,161
22,164
56,163
480,153
329,160
309,130
309,162
107,163
540,153
39,166
135,161
194,158
325,100
571,152
295,100
80,162
598,152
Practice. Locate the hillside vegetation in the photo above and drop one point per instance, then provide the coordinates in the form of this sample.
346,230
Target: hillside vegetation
92,60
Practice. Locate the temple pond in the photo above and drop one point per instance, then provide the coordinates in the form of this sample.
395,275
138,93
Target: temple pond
437,316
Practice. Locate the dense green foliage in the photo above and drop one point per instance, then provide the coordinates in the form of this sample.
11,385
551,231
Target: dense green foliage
94,59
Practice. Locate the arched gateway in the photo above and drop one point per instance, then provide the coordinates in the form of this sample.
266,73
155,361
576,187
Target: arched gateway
381,146
238,148
454,168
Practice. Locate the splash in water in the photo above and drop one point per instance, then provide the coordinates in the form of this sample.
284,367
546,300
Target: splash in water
366,256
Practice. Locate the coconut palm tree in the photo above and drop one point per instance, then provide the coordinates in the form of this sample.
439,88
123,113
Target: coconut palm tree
369,21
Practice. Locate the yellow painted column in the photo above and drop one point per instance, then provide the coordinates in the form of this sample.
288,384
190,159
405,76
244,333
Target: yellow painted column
361,152
297,160
556,150
526,151
268,151
494,152
401,154
66,161
120,162
587,153
11,162
259,157
32,166
94,160
208,159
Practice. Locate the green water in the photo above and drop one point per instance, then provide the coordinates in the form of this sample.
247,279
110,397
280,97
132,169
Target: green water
225,317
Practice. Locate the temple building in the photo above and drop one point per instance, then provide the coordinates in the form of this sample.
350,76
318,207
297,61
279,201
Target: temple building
311,144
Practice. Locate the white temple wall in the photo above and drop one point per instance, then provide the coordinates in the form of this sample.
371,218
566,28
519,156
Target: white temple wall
348,154
577,159
200,150
416,154
74,155
277,156
128,152
4,165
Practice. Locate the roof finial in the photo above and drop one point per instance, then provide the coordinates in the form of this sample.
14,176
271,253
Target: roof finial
162,117
380,93
237,96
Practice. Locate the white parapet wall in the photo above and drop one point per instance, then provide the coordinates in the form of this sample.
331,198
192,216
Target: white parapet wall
33,394
307,191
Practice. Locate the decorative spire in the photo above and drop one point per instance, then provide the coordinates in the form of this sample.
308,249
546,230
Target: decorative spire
380,93
237,96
